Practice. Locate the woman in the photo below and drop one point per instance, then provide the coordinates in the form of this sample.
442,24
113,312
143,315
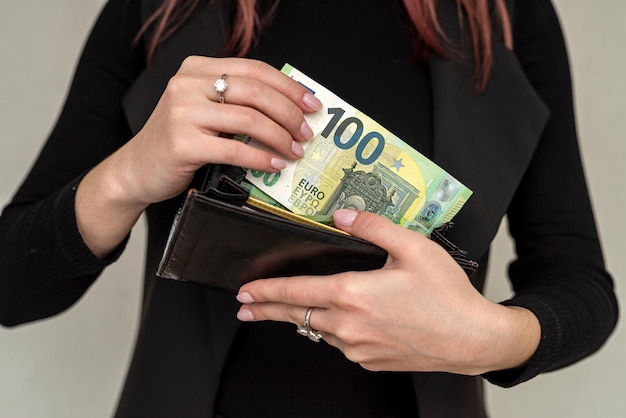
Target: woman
142,117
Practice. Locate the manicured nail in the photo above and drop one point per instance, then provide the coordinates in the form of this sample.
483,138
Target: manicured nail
245,315
245,297
345,217
278,164
312,102
297,149
306,131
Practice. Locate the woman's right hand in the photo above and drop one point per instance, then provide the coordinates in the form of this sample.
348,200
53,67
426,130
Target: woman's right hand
183,134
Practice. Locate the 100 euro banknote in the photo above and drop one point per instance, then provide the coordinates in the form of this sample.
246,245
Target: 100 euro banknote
354,162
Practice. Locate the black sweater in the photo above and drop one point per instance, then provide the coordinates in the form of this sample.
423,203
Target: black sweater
559,272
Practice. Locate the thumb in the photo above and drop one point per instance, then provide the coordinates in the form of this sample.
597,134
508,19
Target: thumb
379,231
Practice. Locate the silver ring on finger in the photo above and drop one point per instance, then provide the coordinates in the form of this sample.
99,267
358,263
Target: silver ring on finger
306,329
220,86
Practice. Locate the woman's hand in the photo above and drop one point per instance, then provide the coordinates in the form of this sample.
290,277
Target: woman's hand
418,313
183,134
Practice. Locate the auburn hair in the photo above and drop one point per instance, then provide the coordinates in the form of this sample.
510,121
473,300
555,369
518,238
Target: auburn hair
478,15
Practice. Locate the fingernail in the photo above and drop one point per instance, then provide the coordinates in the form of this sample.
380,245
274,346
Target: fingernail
312,102
245,297
245,315
278,164
297,149
306,131
345,217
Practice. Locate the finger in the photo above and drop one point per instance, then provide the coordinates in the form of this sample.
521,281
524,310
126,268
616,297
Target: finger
236,119
249,92
218,150
297,291
290,314
397,241
185,103
213,68
320,322
283,313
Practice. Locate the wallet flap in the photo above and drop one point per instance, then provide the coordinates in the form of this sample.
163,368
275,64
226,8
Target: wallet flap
224,246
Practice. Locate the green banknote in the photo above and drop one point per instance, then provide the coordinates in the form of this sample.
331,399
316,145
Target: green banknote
354,162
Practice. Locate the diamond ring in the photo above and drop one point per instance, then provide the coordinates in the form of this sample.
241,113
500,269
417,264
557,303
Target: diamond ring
220,86
306,330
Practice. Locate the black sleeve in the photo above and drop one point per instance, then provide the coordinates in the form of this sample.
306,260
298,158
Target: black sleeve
559,273
44,265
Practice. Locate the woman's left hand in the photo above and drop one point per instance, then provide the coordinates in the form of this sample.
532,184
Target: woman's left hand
418,313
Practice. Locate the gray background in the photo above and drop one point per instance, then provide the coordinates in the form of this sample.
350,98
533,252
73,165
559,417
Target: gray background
73,365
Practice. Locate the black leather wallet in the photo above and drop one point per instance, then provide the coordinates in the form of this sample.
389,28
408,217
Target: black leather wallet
222,238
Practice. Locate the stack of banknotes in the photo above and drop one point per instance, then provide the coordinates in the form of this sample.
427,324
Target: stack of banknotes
353,162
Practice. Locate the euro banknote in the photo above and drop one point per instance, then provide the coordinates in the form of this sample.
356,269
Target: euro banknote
354,162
